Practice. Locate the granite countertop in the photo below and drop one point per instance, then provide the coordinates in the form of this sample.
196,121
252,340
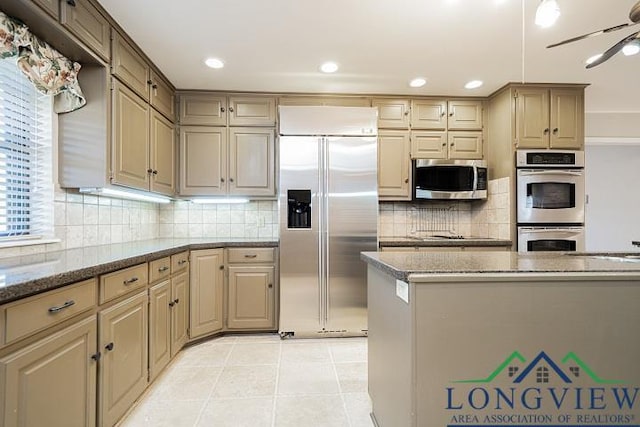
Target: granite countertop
442,242
410,265
32,274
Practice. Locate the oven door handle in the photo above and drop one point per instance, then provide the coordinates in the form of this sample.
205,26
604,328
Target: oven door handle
550,230
533,172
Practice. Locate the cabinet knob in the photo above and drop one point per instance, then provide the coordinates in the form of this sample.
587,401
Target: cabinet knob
442,114
221,179
231,109
406,180
96,356
172,303
555,131
177,300
230,179
546,131
149,170
451,144
222,267
109,347
154,86
155,172
149,81
71,3
271,285
451,114
222,110
444,144
406,113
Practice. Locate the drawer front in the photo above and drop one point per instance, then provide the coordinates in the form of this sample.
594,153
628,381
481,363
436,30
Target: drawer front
39,312
122,281
247,255
86,23
159,269
179,261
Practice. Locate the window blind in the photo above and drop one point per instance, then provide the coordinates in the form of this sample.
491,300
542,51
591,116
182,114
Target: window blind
26,190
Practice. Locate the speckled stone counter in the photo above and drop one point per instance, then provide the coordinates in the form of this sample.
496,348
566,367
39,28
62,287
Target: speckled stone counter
411,266
389,242
28,275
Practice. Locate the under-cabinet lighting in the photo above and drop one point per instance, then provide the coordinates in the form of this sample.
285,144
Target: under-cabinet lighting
593,58
125,194
212,201
631,48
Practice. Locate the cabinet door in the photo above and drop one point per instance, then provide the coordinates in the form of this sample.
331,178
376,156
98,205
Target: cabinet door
49,6
207,278
86,23
129,66
179,312
52,382
532,118
464,114
392,113
159,327
123,343
163,176
429,114
428,145
162,96
465,145
394,165
203,160
203,109
130,138
252,161
252,111
567,119
251,297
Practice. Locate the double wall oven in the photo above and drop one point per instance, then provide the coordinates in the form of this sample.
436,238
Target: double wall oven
550,200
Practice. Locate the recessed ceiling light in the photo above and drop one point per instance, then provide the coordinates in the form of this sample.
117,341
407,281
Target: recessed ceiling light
547,13
631,48
593,58
214,63
329,67
418,82
473,84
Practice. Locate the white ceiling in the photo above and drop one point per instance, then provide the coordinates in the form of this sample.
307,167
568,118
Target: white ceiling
278,45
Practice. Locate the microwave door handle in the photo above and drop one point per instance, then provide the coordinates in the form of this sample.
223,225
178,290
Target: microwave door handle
528,172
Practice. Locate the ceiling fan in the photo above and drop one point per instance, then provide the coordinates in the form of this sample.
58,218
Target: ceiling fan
634,16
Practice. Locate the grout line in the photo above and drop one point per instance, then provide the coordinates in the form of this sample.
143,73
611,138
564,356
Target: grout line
215,383
335,372
275,391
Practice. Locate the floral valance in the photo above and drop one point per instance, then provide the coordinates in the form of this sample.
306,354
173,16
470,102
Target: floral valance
49,71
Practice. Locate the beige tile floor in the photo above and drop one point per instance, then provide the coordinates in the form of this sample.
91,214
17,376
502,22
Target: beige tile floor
260,380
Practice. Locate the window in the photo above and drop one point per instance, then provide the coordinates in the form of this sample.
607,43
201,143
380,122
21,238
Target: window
26,190
542,374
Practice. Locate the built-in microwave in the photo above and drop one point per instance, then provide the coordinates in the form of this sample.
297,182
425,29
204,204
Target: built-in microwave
449,179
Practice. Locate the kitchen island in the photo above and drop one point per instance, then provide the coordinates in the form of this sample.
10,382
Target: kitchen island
503,339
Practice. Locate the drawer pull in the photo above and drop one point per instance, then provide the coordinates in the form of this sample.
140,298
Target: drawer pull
182,261
62,307
251,256
130,281
163,269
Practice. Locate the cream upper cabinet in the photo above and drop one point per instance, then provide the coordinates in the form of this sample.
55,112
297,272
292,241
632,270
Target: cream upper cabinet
162,155
124,363
465,145
52,7
208,109
549,118
429,114
203,160
206,292
130,137
203,109
252,161
162,96
392,113
335,101
52,382
252,111
82,19
567,119
428,145
394,165
129,66
464,114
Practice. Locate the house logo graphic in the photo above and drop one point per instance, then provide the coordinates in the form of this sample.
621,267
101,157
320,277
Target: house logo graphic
543,391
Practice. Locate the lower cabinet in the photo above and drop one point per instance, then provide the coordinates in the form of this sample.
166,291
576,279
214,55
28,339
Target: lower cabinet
206,302
52,382
251,298
123,369
179,312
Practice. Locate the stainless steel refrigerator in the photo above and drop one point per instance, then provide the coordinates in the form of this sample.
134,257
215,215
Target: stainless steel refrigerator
328,215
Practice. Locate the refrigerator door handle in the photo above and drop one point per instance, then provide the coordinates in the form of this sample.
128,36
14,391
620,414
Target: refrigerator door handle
325,237
321,240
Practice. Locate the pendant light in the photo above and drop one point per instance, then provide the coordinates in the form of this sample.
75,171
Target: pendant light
547,13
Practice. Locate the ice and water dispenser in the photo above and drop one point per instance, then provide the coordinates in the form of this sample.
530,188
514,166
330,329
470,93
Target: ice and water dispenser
299,209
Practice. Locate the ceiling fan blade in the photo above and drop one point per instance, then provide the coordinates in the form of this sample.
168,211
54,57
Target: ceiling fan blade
613,50
595,33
